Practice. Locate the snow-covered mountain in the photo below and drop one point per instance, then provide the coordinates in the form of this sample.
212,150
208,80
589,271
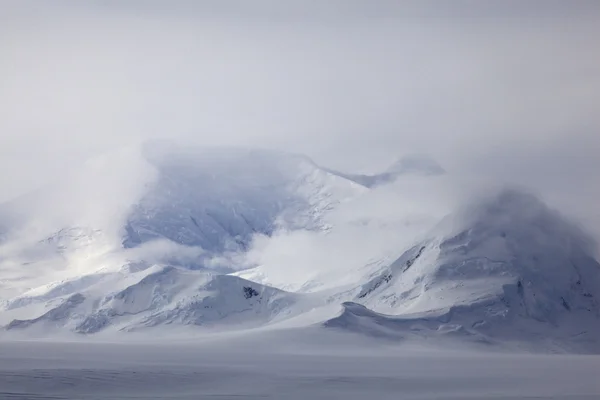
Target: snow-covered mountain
218,198
162,202
132,238
132,300
160,236
505,269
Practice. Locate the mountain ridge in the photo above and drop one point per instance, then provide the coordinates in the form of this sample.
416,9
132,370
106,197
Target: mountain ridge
510,270
502,269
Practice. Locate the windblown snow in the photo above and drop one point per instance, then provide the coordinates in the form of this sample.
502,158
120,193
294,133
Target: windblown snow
166,237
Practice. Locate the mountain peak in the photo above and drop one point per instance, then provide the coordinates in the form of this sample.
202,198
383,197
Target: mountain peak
506,268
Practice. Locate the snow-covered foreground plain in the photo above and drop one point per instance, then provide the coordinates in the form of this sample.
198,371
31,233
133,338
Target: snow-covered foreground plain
297,364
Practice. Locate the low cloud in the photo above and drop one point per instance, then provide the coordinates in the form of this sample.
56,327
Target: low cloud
502,93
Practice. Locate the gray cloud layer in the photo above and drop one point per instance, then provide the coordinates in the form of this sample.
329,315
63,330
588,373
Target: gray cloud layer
506,92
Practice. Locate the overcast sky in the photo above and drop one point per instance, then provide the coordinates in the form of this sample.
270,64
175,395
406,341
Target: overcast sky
506,90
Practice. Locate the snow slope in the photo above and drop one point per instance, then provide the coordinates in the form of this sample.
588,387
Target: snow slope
504,269
99,255
102,251
161,203
285,365
130,301
218,198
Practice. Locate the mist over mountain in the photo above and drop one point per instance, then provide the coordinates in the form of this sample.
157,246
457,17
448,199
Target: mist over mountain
504,269
192,244
410,165
339,199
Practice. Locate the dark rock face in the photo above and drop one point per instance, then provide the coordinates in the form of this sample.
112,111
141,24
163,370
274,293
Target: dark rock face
249,292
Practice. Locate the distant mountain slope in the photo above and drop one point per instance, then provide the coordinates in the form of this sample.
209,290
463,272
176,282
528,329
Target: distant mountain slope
158,296
161,202
218,198
506,269
148,238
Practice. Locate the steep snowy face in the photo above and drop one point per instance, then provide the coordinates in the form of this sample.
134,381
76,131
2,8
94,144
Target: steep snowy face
161,203
507,266
218,198
536,243
156,296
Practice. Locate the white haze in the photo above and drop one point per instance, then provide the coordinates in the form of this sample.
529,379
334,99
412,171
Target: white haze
369,230
498,95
